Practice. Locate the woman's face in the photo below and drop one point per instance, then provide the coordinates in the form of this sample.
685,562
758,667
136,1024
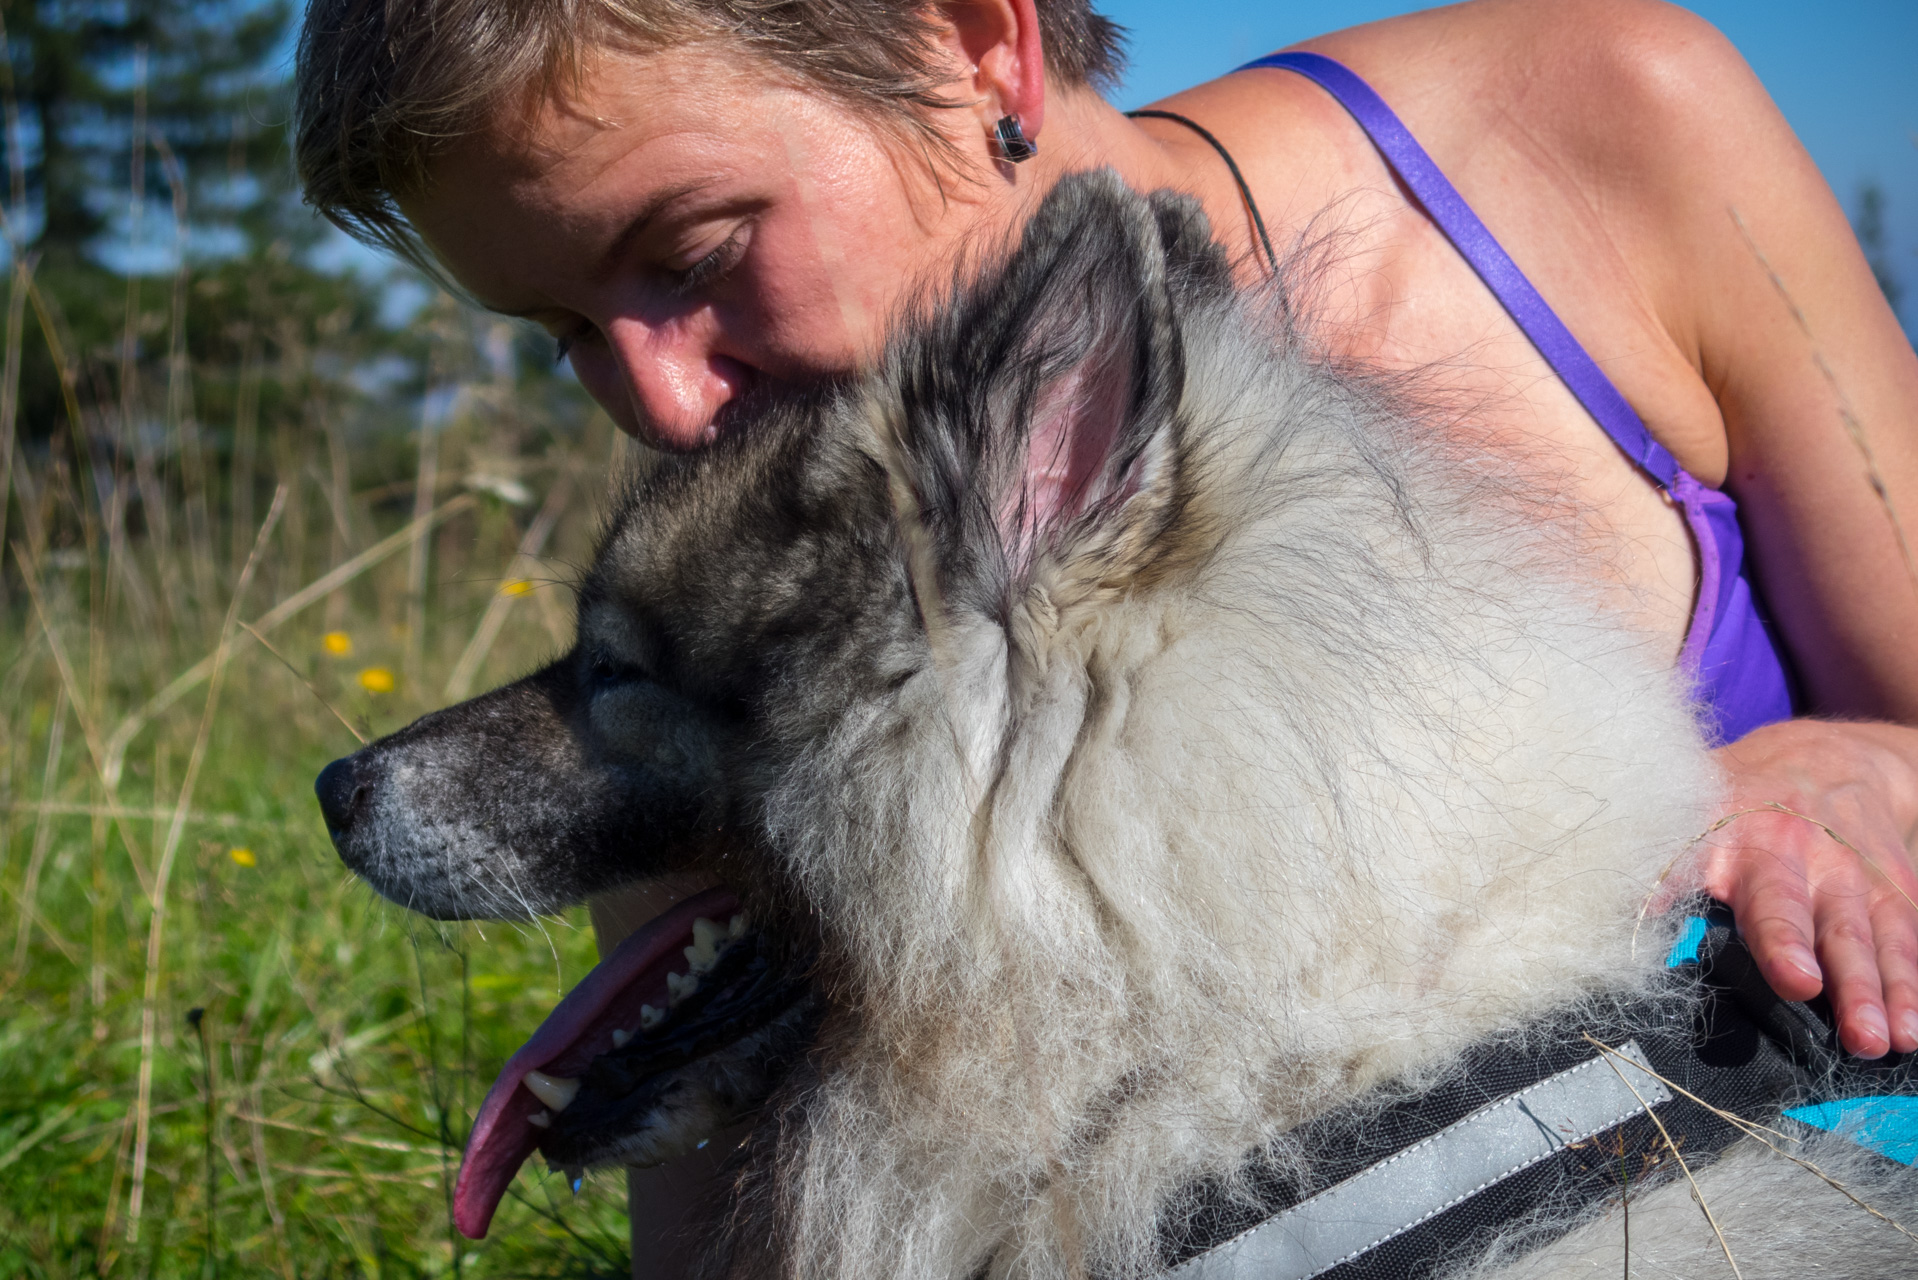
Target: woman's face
691,229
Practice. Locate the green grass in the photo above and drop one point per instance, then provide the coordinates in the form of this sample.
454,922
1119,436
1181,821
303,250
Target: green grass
308,1121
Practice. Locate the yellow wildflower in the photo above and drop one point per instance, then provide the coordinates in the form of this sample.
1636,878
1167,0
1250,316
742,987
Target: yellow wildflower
243,856
516,587
376,680
337,643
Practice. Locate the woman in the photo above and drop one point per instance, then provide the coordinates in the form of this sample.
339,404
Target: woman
705,201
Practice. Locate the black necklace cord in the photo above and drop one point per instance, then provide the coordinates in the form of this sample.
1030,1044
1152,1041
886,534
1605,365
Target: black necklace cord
1245,192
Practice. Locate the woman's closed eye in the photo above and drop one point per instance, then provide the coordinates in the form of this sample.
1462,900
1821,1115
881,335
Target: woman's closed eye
713,267
681,282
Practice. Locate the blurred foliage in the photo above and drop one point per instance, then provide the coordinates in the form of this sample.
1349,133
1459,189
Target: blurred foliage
180,384
94,85
155,128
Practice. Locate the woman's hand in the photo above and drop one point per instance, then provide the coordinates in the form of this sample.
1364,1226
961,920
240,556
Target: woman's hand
1814,855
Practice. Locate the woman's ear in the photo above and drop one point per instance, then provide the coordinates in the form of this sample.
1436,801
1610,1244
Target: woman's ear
1001,58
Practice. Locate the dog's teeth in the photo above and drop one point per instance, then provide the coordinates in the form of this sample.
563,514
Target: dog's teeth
681,985
736,927
556,1092
620,1038
649,1017
707,940
540,1119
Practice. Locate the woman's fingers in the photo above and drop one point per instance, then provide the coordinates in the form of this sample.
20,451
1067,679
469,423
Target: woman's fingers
1895,930
1767,888
1848,949
1813,854
1821,914
1867,927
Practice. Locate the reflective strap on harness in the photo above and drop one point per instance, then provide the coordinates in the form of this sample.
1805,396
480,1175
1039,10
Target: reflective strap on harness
1536,1126
1461,1160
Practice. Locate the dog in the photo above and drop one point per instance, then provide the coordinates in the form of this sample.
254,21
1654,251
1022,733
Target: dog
1149,764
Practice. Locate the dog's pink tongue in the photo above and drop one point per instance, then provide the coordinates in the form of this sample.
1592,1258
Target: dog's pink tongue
578,1030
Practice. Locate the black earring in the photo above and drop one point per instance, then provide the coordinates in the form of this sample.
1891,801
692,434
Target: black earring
1013,143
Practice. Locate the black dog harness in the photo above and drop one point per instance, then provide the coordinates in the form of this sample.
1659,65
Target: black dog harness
1536,1129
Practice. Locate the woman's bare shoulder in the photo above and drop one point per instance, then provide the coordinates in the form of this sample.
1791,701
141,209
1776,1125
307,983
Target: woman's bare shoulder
1602,140
1598,87
1634,165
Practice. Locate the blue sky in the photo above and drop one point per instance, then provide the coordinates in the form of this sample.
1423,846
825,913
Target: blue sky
1844,72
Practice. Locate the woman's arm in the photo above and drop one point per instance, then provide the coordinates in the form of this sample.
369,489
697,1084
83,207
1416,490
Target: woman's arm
1628,157
1757,273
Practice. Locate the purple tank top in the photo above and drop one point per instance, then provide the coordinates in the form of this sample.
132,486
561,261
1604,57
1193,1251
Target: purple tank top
1738,671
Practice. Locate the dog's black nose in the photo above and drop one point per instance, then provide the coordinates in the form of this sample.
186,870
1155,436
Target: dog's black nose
340,790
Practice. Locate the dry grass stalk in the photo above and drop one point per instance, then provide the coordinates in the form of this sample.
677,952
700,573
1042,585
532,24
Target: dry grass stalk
264,1166
1863,857
57,346
425,483
246,431
1765,1134
19,277
96,750
42,836
110,813
156,925
147,604
39,1133
301,677
525,564
319,588
181,420
339,498
1671,1146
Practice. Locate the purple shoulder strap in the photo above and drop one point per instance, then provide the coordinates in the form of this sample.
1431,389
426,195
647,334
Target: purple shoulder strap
1475,243
1741,677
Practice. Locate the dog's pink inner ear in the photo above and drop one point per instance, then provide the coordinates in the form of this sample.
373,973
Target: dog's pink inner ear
1074,428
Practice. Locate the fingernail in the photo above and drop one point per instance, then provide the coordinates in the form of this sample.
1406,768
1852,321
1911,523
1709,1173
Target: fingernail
1870,1023
1802,960
1908,1027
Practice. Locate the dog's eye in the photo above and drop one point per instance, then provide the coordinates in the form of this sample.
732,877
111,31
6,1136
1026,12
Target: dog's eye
604,670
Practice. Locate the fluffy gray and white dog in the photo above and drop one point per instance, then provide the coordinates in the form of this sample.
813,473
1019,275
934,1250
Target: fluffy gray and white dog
1130,737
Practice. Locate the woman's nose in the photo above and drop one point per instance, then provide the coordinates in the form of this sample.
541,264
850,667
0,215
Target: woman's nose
675,382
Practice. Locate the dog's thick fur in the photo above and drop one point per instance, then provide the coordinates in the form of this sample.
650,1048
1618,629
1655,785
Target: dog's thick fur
1160,736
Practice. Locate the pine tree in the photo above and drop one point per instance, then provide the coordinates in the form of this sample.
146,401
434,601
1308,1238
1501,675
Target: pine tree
195,82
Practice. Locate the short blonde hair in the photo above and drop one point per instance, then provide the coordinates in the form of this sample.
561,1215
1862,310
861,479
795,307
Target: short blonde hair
384,85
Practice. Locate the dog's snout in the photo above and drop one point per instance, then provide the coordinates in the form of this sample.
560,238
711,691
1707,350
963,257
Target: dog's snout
340,791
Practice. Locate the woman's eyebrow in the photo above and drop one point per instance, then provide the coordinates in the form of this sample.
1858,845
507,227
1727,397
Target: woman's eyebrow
636,227
620,246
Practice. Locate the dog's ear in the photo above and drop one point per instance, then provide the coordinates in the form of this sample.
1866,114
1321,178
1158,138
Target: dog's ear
1083,401
1034,414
